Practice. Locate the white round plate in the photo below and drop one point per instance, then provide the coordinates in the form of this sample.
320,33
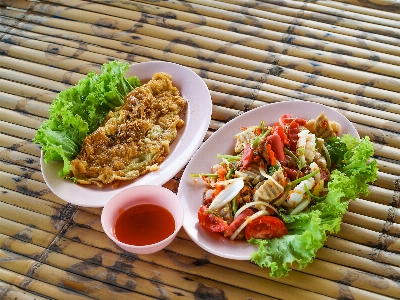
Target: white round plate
223,142
197,120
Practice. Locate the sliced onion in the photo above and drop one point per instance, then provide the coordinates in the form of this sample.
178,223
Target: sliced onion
227,194
247,205
247,221
227,182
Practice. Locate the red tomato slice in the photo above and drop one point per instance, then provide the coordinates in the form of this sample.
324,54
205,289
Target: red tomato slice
247,156
211,222
238,221
265,227
276,146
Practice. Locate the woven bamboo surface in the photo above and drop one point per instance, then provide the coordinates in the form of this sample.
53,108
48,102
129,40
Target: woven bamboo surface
250,53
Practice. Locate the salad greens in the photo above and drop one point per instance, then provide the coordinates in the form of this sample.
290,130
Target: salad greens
307,230
79,110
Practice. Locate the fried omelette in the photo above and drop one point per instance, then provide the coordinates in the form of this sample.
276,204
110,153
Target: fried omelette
133,139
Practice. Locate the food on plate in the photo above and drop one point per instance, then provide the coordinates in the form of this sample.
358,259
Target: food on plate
285,187
109,127
134,138
79,110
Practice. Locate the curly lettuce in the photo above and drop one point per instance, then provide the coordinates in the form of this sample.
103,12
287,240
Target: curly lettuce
79,110
307,231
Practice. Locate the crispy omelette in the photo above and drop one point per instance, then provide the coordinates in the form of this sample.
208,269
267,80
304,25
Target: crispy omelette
133,139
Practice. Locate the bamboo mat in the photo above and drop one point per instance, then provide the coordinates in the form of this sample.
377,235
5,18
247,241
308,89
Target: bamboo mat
250,53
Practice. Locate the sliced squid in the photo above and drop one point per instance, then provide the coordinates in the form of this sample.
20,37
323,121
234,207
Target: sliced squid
296,195
314,167
306,146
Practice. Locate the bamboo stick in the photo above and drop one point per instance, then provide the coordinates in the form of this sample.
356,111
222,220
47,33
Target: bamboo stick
29,187
25,233
377,135
26,91
368,252
386,151
355,278
21,171
19,144
357,262
87,241
388,167
375,210
211,34
378,15
30,218
110,260
65,279
358,107
369,223
364,236
344,12
368,91
311,28
130,266
270,30
94,272
328,102
30,203
382,196
20,159
21,104
323,101
316,12
16,130
13,292
36,287
32,80
387,181
317,283
388,5
210,271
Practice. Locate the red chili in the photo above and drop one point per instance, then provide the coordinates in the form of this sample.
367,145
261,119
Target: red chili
293,135
276,146
278,129
247,156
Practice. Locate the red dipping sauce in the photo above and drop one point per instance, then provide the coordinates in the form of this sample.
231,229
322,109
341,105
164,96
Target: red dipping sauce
144,224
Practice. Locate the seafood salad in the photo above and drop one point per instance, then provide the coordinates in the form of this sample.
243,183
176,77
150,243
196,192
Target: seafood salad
285,187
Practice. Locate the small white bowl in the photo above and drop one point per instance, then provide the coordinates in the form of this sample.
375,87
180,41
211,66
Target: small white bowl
141,194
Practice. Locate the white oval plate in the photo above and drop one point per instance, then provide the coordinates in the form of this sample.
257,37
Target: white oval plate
223,142
197,120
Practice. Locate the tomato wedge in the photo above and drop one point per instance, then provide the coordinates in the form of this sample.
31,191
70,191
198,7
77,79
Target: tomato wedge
210,221
265,227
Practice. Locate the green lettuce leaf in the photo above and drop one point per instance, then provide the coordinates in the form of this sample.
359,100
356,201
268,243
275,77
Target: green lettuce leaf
79,110
307,231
